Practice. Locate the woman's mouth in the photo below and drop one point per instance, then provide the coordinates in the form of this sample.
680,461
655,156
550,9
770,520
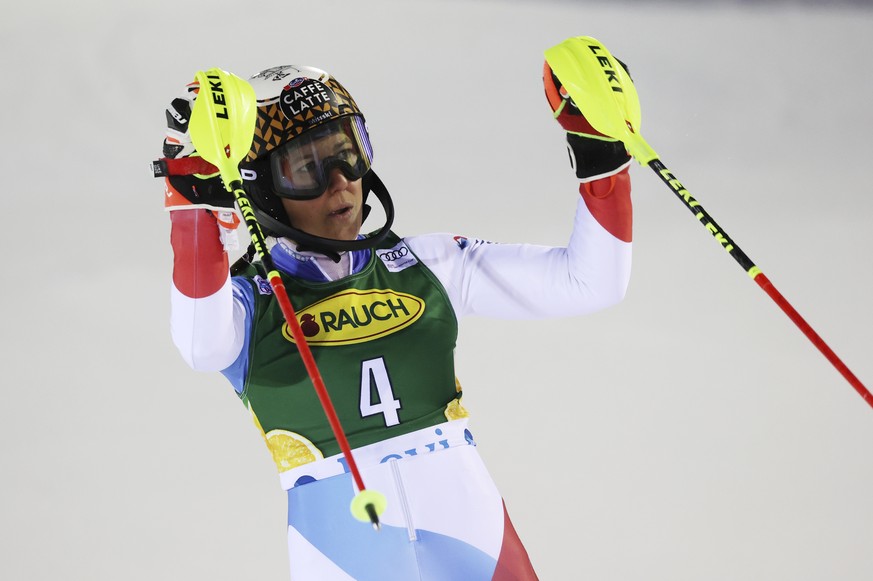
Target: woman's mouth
341,211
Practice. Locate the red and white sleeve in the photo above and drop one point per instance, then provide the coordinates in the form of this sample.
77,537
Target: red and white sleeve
526,281
205,323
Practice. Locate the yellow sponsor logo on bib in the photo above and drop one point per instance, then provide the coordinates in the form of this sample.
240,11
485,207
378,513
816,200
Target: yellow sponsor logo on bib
356,316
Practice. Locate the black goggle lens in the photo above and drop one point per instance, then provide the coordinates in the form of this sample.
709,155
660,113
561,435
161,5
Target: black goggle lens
301,168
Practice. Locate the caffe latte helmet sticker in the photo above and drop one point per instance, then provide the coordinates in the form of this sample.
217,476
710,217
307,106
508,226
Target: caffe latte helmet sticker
308,102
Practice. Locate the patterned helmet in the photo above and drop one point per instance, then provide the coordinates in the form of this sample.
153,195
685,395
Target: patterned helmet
293,100
298,105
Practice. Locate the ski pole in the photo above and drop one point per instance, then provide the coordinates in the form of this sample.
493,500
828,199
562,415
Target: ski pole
606,95
222,128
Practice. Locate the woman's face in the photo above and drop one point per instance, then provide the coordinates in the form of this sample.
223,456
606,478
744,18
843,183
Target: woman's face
337,213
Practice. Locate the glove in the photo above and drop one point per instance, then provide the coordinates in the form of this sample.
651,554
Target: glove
593,155
191,182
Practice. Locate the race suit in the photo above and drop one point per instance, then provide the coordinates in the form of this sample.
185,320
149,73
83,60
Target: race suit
382,325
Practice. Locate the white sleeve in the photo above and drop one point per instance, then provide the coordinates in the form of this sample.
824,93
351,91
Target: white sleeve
209,331
524,281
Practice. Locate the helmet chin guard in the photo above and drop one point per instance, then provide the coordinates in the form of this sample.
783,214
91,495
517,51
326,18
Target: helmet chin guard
331,247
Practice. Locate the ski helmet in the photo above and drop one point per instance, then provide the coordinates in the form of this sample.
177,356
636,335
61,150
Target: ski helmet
297,107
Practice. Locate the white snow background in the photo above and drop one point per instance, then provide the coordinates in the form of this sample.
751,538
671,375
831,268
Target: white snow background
689,433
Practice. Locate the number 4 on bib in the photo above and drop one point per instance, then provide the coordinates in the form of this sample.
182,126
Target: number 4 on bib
375,374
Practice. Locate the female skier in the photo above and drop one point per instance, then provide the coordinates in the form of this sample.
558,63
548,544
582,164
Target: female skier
380,313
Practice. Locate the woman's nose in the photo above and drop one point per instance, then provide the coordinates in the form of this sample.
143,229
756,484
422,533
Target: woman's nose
337,181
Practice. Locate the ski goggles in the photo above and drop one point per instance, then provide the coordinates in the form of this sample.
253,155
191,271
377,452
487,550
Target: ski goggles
301,168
